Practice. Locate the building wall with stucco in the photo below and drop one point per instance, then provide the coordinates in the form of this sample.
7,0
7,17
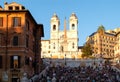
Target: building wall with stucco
18,39
103,42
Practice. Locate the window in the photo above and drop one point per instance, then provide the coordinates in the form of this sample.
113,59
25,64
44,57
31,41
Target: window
1,62
23,7
27,41
27,25
10,8
54,46
27,61
73,45
61,49
73,26
54,27
15,61
49,46
17,8
15,41
1,21
16,21
0,39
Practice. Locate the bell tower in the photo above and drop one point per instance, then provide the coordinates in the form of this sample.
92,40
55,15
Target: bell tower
55,23
54,34
73,32
73,22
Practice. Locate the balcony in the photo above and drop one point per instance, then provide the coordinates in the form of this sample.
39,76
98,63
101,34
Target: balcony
15,72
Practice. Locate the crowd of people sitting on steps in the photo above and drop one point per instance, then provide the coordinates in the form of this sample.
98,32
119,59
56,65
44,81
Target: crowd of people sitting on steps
103,73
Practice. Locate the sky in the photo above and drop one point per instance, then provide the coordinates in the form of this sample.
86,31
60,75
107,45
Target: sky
91,14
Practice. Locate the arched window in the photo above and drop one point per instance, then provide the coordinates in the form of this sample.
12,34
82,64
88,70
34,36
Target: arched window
54,27
73,26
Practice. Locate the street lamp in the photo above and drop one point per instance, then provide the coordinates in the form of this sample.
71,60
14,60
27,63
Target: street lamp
65,59
50,58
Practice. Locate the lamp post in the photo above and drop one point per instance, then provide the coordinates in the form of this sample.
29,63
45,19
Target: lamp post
65,59
51,58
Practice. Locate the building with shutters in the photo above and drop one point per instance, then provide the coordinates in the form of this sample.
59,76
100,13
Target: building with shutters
105,43
19,43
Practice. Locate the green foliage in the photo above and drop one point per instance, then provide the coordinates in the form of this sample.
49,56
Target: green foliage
87,51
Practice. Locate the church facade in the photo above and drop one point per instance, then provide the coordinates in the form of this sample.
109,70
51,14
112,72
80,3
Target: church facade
62,43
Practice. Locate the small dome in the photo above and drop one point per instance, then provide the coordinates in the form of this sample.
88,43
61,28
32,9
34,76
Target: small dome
55,16
73,15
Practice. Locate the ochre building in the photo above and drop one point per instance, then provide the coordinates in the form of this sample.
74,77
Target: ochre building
117,48
104,43
19,43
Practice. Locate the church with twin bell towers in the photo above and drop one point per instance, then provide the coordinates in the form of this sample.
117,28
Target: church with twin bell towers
62,43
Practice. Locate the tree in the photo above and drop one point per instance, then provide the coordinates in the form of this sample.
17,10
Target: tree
87,50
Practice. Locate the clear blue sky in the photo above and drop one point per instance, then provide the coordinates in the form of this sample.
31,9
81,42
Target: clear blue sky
90,13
